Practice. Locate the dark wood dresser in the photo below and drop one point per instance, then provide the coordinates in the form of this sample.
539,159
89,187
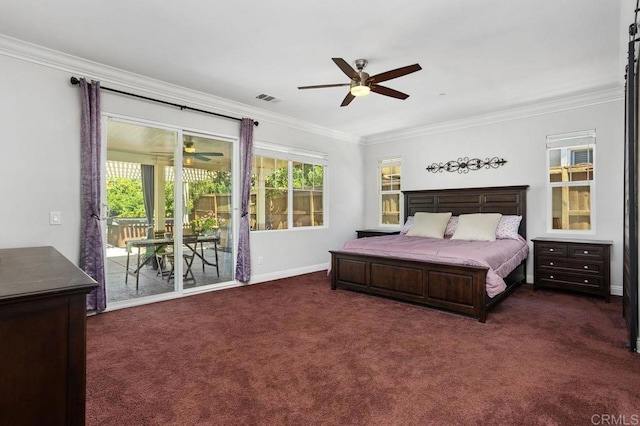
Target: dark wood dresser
42,338
572,264
364,233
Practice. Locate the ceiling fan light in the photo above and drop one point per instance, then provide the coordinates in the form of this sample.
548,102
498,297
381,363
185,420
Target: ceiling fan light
360,90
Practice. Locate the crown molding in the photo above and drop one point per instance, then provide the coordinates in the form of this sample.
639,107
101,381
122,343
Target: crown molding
599,96
125,80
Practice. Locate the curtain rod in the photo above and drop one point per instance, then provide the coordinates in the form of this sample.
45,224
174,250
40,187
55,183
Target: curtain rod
75,82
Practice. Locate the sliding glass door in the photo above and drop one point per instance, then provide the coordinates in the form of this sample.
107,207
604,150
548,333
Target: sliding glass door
208,206
170,224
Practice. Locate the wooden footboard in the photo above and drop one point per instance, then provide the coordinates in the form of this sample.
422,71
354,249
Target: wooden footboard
457,288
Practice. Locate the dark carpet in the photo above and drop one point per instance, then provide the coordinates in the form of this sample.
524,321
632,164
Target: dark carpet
293,352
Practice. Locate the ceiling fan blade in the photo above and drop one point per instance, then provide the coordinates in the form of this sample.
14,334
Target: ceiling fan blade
388,92
347,99
345,67
324,85
201,157
211,154
399,72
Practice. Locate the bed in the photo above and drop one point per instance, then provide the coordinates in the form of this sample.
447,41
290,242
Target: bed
443,285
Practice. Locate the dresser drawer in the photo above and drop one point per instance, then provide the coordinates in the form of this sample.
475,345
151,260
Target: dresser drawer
583,251
587,266
551,249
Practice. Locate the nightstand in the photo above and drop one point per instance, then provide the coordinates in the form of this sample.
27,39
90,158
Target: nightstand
363,233
572,264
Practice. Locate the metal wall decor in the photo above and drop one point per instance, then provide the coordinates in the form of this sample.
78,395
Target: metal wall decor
463,165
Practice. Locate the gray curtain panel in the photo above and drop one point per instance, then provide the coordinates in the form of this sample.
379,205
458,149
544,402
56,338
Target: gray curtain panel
91,247
243,264
147,172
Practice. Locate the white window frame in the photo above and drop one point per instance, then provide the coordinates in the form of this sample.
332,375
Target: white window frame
386,162
298,155
574,141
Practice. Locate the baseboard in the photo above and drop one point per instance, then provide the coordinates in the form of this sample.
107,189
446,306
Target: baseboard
616,290
288,273
259,279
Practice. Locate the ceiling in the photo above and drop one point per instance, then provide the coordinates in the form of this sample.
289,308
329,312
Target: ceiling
478,57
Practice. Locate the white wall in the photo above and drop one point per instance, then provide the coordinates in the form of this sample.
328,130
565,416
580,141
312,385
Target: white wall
522,143
40,166
39,157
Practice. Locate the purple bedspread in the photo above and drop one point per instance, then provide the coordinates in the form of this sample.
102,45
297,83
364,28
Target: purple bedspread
500,256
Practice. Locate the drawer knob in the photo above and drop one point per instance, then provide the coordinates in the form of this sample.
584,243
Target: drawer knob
550,249
550,263
551,276
586,267
586,281
586,252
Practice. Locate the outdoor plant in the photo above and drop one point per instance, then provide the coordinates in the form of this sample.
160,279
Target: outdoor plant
204,223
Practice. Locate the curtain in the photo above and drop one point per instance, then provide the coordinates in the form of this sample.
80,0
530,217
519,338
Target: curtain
243,264
91,247
147,171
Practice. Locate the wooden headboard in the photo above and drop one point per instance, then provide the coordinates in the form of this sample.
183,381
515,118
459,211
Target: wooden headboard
507,200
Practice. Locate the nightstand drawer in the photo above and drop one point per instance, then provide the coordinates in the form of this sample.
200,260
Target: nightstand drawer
561,277
583,251
585,266
552,249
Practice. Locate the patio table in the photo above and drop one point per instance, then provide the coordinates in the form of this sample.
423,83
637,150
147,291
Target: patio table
191,241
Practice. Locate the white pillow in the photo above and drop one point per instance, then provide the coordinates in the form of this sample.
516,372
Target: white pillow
429,225
407,225
477,227
508,227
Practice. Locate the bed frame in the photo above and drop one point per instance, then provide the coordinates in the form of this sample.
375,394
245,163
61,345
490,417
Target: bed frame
456,288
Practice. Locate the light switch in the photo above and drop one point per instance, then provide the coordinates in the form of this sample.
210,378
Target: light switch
55,218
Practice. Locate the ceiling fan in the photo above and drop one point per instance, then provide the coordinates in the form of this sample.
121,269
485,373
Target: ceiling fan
189,152
361,83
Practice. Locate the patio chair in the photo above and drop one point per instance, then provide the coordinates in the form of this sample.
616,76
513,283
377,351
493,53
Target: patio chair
188,254
188,260
162,255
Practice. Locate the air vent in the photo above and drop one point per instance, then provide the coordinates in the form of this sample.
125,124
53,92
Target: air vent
268,98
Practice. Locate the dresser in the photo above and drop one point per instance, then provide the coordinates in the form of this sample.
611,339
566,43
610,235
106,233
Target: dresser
578,265
42,338
364,233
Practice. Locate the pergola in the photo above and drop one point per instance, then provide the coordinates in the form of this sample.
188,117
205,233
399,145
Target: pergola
127,170
162,174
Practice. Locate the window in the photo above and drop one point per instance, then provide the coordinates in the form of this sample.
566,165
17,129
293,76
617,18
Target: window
287,188
571,184
390,195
